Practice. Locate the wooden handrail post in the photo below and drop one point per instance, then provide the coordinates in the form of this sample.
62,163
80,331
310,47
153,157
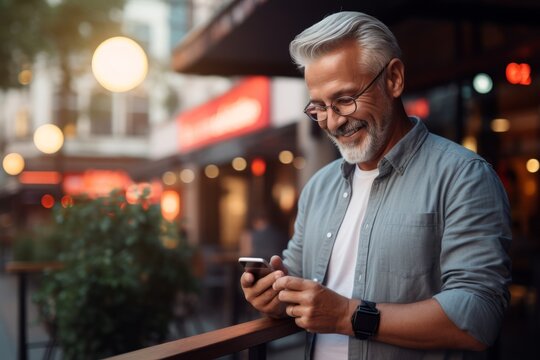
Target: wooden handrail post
21,342
257,352
22,269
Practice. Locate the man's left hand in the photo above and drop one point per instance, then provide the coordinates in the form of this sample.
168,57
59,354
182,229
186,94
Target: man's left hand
315,307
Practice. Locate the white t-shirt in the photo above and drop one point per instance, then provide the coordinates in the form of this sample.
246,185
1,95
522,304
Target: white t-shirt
340,276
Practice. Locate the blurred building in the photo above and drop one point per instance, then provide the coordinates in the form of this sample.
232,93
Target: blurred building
106,134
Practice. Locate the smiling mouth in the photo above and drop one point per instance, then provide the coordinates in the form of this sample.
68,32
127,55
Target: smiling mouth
350,129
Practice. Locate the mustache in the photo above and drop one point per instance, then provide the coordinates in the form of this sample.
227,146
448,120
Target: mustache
349,127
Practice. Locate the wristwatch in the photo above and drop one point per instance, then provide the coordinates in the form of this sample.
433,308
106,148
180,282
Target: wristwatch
365,320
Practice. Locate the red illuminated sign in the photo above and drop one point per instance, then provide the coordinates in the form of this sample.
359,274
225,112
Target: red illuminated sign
96,183
518,74
418,107
242,110
40,177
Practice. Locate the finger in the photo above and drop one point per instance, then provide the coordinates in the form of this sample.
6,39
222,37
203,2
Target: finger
277,264
247,279
291,296
294,310
290,310
266,297
262,291
292,283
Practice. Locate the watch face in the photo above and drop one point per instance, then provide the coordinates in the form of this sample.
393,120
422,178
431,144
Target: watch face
365,321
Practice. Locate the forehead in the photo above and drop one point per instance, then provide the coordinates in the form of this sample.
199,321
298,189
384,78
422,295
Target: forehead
337,71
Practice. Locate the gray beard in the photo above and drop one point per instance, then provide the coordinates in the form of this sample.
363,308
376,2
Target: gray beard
362,150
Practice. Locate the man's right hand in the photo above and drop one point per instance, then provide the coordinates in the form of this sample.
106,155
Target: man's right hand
261,295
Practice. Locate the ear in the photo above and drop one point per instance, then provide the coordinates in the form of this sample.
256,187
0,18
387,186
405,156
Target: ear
395,79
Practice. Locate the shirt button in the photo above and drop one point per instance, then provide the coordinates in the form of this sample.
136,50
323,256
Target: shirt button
345,194
329,235
359,277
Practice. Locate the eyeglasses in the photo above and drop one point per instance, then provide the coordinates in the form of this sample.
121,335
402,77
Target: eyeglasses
343,105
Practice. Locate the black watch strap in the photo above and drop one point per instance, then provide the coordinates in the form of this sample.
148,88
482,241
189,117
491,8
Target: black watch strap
365,320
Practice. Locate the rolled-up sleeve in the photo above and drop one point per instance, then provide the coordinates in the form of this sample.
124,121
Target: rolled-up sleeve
475,266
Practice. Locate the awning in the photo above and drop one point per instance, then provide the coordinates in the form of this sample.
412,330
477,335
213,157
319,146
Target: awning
441,39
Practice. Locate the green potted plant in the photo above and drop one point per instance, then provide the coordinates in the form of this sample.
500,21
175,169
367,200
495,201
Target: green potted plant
123,267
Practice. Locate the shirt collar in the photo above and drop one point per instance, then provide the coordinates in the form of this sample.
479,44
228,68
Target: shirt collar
399,156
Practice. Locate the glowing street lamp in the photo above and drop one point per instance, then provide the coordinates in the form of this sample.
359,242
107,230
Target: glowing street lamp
13,163
119,64
48,138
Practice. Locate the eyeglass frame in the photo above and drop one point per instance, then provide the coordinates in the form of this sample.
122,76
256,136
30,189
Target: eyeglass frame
354,99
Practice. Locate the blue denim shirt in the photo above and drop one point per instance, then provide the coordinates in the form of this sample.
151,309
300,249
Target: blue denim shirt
437,226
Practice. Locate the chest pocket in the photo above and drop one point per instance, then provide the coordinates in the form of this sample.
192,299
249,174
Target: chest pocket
410,244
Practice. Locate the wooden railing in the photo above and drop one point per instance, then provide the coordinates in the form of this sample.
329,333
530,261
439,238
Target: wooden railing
252,335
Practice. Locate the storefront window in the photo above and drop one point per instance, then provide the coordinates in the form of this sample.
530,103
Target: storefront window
506,126
137,116
66,113
101,113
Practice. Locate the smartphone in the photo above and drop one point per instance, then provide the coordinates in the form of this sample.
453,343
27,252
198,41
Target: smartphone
259,267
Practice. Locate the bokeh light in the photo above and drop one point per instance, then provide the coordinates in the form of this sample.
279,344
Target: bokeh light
25,77
170,204
482,83
258,167
533,165
211,171
13,163
500,125
169,178
239,163
47,201
119,64
286,157
48,138
187,176
66,201
299,162
470,143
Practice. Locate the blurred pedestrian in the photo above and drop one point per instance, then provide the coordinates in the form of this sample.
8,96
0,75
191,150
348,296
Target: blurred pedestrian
263,239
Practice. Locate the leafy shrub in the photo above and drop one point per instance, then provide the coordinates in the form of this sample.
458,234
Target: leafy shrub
37,245
123,267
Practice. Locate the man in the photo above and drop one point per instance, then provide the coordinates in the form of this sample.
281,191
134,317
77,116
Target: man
400,249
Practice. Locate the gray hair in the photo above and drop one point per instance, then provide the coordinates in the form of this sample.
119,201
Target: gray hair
377,42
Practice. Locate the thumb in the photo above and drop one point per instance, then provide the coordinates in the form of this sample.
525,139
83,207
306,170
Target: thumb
277,264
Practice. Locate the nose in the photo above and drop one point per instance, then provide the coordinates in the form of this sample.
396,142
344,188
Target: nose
333,120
